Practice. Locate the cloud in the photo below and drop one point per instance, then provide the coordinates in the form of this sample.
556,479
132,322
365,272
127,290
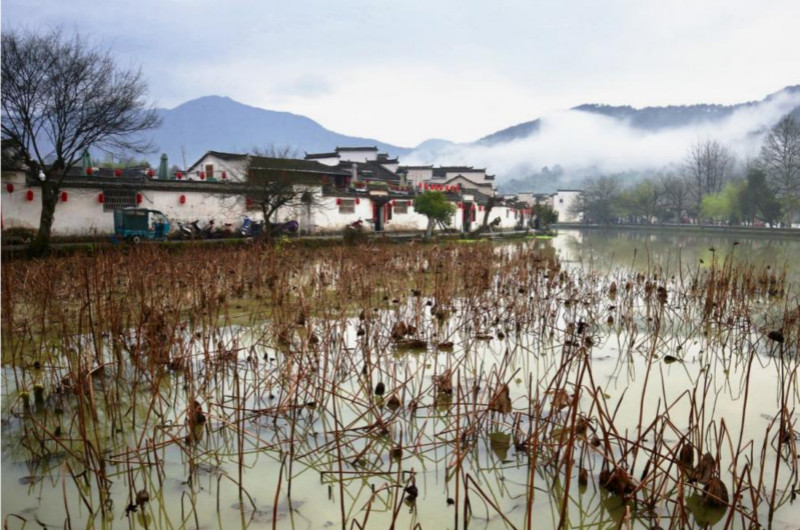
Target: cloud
304,86
579,141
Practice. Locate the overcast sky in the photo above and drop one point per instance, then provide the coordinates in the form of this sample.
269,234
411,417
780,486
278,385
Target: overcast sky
403,71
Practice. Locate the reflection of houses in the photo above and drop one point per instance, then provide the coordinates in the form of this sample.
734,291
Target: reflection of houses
348,184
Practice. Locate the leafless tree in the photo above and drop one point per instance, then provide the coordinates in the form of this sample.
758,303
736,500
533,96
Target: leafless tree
707,167
675,194
62,96
276,185
276,151
780,155
598,202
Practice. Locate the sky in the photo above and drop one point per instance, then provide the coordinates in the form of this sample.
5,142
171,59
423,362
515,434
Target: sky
405,71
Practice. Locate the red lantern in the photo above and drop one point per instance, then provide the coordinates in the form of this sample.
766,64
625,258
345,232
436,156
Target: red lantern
10,188
117,172
64,196
338,202
182,199
248,202
151,173
179,175
138,198
101,198
89,171
29,195
202,175
358,200
460,205
224,175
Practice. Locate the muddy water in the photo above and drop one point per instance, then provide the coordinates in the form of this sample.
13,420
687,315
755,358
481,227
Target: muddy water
338,453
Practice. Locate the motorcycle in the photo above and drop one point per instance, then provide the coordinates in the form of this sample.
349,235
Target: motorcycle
223,232
189,230
287,228
208,230
251,228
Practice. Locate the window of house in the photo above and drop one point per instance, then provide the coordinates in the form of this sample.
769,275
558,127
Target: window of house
115,198
400,207
561,201
347,206
210,171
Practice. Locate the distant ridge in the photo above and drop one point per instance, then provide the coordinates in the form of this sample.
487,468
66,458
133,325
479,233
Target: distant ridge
222,124
647,118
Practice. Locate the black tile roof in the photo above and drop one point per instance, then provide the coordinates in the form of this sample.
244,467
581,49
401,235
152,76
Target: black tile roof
312,156
265,162
293,164
340,149
371,170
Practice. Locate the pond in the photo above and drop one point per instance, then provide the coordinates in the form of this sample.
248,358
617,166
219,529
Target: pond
434,386
671,251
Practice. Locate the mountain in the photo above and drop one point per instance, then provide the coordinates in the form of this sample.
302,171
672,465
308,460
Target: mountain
650,119
222,124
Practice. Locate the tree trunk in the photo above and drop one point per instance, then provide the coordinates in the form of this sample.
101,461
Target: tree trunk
41,243
429,230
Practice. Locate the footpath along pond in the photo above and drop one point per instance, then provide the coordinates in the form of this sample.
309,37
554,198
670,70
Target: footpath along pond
527,384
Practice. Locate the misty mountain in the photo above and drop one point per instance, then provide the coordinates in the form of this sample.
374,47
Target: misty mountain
649,119
222,124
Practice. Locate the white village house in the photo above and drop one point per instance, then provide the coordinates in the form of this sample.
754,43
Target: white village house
349,184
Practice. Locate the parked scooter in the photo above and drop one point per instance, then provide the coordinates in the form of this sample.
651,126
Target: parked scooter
288,228
223,232
189,230
208,230
251,228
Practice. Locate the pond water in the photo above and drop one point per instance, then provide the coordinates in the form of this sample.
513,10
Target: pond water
607,249
315,416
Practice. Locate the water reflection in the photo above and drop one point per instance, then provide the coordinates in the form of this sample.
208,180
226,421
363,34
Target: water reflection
671,253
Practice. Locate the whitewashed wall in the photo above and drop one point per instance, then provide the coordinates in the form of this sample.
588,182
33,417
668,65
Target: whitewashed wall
235,169
477,176
330,161
81,214
357,156
198,206
563,200
417,175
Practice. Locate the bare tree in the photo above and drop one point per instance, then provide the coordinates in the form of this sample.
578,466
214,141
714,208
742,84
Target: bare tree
281,184
780,155
675,195
598,202
62,96
707,167
276,151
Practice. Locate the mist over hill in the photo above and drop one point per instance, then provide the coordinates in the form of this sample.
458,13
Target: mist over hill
559,149
563,148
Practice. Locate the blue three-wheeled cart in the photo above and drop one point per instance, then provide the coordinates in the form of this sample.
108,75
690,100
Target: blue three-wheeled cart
136,224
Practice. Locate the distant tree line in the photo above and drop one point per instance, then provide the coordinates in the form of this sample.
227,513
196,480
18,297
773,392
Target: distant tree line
708,187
